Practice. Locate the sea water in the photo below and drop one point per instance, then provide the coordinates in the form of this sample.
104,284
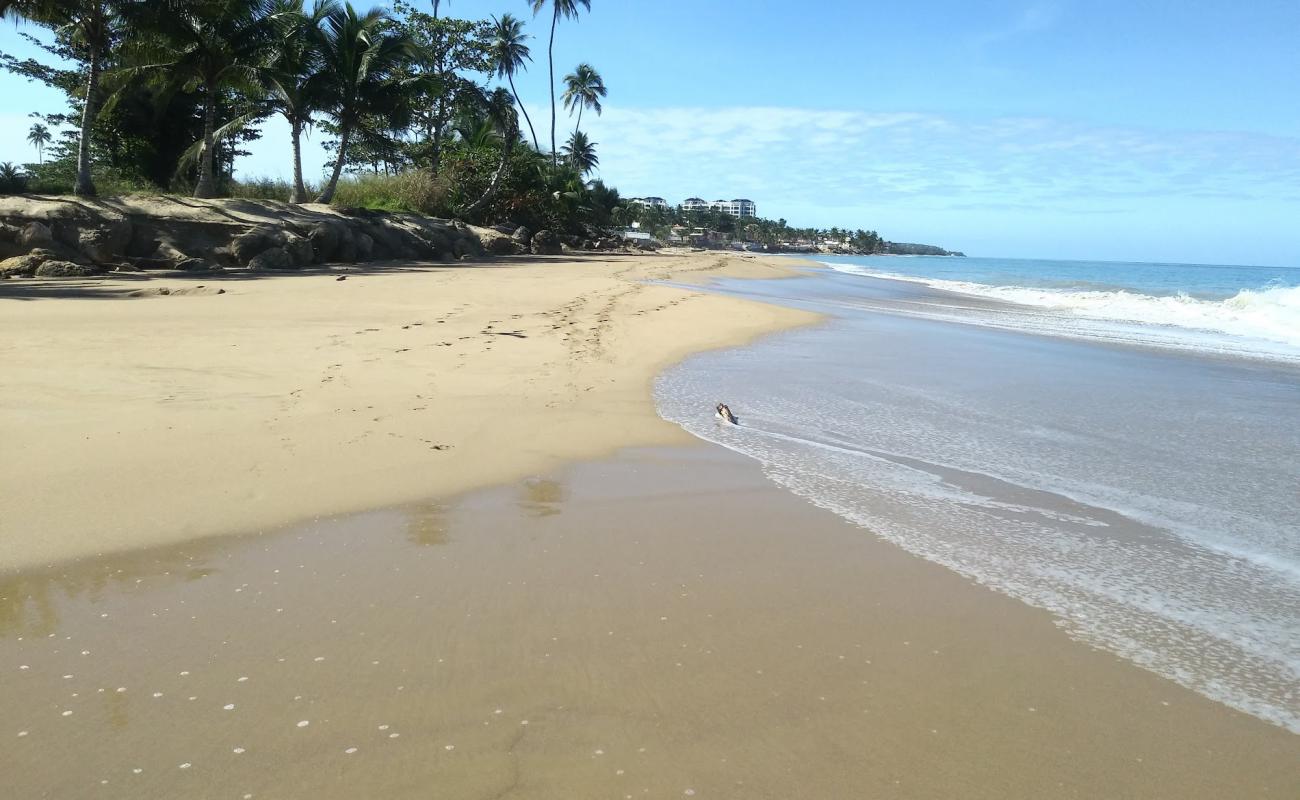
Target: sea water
1116,444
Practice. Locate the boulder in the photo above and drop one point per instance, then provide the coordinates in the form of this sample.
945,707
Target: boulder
505,246
35,234
523,235
246,246
545,243
64,269
300,250
364,247
274,259
197,265
325,239
20,266
106,243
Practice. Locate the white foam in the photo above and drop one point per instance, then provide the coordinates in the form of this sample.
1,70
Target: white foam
1268,319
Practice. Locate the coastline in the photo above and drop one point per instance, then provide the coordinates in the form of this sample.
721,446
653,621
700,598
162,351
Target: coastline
140,421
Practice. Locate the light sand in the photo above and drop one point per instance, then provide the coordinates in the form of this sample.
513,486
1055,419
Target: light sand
129,422
663,623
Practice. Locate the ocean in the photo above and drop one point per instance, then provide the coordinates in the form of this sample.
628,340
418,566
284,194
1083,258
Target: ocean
1118,444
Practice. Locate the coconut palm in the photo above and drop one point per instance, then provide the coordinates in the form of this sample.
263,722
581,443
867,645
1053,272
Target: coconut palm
91,25
361,56
212,46
508,56
293,74
580,153
583,89
38,137
569,10
501,113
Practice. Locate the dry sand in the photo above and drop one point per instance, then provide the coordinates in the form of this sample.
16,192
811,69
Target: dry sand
131,418
664,624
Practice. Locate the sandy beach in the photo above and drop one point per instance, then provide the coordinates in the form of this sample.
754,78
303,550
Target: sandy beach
421,532
133,418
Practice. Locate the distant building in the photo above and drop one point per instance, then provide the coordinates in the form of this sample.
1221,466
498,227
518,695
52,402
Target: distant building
737,208
650,202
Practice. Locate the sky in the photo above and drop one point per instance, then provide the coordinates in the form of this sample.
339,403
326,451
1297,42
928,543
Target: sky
1147,130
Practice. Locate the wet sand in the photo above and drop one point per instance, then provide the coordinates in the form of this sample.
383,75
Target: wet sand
665,623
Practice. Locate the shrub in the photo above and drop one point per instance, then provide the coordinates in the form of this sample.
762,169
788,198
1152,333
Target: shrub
12,180
413,190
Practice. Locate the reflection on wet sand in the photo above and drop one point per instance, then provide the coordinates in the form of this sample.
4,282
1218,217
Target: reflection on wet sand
426,524
541,497
30,601
765,649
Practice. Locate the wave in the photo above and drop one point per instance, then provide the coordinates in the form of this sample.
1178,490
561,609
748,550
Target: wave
1268,315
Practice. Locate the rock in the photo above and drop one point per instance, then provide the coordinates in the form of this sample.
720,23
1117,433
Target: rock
248,246
196,265
105,243
274,259
21,266
523,235
300,249
364,247
461,248
35,234
325,239
64,269
341,278
545,243
505,246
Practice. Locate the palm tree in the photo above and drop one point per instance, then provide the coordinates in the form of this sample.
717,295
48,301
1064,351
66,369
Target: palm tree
214,45
580,153
501,113
294,75
569,10
584,88
39,136
508,56
361,56
92,25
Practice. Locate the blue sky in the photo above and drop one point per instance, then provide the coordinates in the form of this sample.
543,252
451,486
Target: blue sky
1113,129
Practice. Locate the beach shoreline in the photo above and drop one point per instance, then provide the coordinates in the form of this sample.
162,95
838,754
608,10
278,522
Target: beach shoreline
133,418
663,622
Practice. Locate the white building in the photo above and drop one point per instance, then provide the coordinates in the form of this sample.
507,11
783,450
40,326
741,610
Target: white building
650,202
736,208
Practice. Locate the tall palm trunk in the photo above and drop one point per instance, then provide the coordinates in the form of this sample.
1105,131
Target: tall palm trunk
510,77
550,57
207,186
494,185
85,186
299,193
579,125
328,195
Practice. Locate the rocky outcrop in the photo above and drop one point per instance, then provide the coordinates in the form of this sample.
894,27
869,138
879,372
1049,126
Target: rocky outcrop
545,243
182,234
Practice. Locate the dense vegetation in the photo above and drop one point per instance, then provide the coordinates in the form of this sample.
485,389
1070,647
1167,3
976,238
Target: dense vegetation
163,96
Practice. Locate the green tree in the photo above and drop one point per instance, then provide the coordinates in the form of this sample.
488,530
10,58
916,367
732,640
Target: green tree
213,46
580,153
294,75
569,10
509,53
584,88
362,54
38,137
92,27
501,114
